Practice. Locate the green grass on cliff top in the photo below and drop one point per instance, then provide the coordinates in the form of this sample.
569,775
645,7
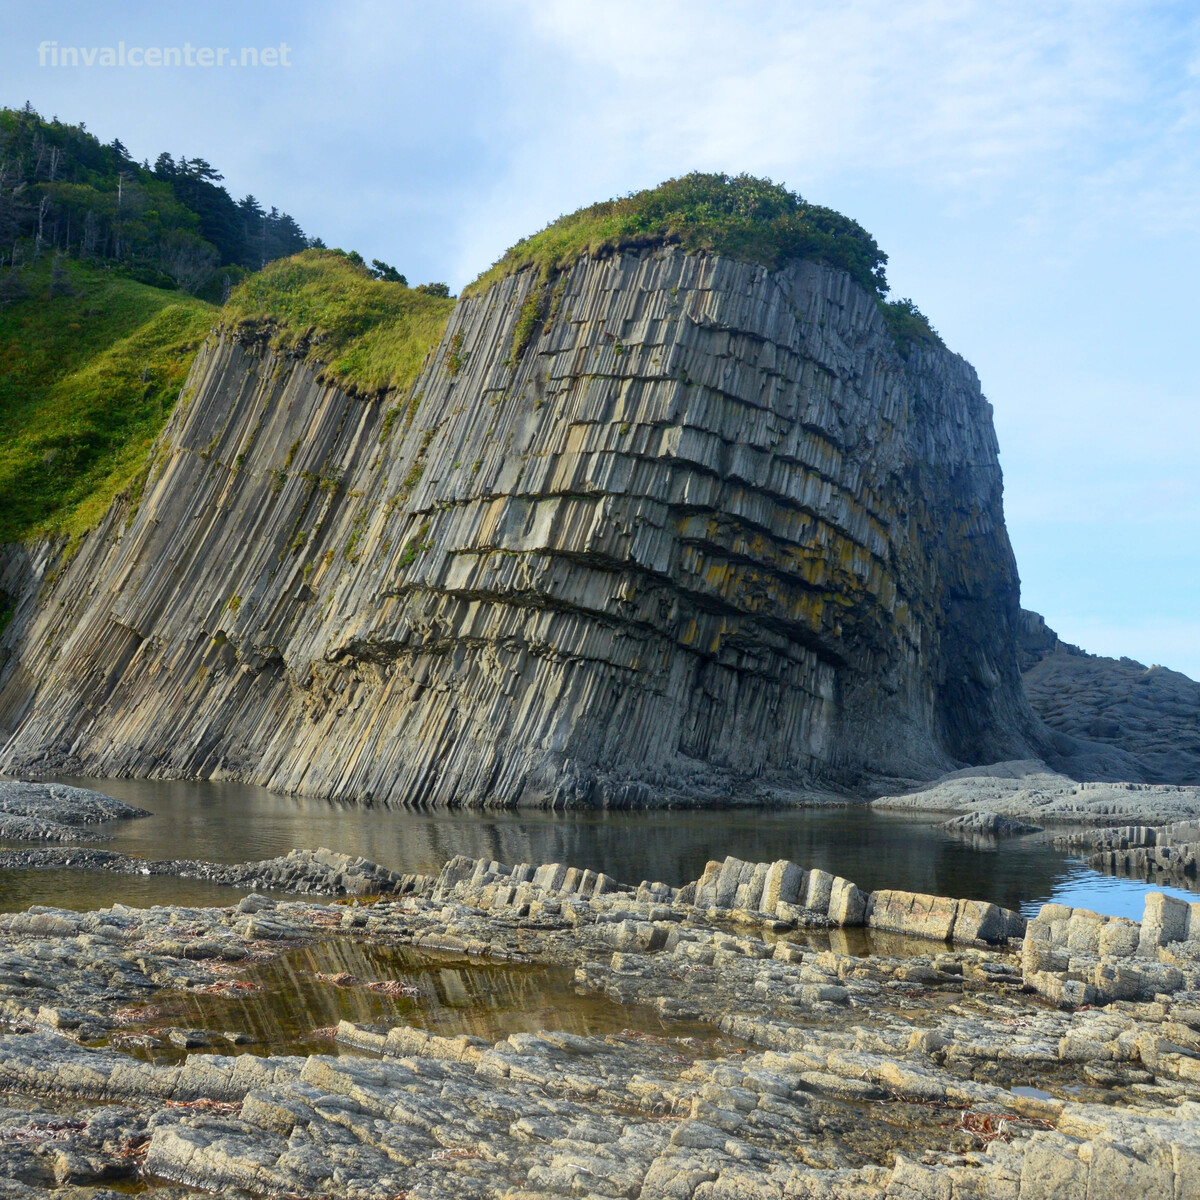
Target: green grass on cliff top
368,336
86,382
746,218
88,378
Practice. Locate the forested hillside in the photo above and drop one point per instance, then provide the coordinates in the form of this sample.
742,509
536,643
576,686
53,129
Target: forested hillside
173,224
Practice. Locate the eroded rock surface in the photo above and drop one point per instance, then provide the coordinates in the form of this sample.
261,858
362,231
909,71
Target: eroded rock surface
989,824
708,536
1030,789
870,1067
54,812
1149,713
319,872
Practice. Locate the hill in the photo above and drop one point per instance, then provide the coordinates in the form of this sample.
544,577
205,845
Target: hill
171,224
91,363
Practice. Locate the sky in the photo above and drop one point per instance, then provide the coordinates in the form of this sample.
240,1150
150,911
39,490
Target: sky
1032,170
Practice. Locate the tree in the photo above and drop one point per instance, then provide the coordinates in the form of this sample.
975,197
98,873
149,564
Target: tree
59,280
388,274
188,259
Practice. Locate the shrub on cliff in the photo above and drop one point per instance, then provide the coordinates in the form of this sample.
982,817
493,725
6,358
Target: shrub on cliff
747,218
908,325
367,334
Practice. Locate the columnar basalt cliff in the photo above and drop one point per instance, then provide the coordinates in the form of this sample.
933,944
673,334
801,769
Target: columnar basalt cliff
661,528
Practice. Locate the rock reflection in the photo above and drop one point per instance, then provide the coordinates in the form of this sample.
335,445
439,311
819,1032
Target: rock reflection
228,822
300,996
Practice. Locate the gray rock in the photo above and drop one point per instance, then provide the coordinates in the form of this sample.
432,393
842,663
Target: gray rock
989,824
54,812
1149,715
1029,788
611,572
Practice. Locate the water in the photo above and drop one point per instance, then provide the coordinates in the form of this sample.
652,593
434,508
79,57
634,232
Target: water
231,822
289,1004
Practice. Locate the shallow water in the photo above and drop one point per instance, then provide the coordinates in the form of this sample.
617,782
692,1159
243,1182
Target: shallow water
292,1009
231,822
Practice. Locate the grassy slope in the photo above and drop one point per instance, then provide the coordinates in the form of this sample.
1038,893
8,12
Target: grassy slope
746,218
367,335
740,216
86,382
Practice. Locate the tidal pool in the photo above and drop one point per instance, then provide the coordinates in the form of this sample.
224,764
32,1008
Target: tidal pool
291,1004
232,822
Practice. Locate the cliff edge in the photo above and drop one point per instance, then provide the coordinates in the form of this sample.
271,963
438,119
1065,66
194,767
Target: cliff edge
654,527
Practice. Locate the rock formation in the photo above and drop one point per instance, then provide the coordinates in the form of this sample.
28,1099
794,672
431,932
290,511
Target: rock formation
868,1065
1031,789
700,532
1149,713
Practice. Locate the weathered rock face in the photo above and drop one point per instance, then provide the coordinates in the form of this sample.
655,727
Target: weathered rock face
710,537
1149,713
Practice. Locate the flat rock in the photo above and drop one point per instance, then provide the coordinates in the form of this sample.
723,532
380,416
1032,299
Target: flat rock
1029,788
989,824
54,812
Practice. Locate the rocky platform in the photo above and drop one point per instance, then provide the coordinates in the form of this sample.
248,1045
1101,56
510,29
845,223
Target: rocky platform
319,872
1029,789
871,1064
54,812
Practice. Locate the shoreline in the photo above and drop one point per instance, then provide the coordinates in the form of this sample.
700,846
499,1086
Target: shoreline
869,1066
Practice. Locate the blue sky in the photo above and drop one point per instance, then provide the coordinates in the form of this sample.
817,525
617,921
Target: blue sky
1032,169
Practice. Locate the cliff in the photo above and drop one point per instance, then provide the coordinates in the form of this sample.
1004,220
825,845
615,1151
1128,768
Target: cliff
1151,714
659,527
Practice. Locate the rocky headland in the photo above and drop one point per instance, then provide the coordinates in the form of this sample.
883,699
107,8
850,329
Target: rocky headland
654,525
1151,714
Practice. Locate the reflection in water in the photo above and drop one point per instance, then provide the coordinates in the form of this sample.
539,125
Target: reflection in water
230,822
83,890
1117,895
454,996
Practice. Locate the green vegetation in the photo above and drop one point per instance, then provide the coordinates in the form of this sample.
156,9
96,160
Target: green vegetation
909,326
416,546
456,357
527,320
87,380
746,218
171,225
368,335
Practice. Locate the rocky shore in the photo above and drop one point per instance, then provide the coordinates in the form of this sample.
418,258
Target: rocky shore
1169,852
54,812
887,1045
320,872
1030,790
